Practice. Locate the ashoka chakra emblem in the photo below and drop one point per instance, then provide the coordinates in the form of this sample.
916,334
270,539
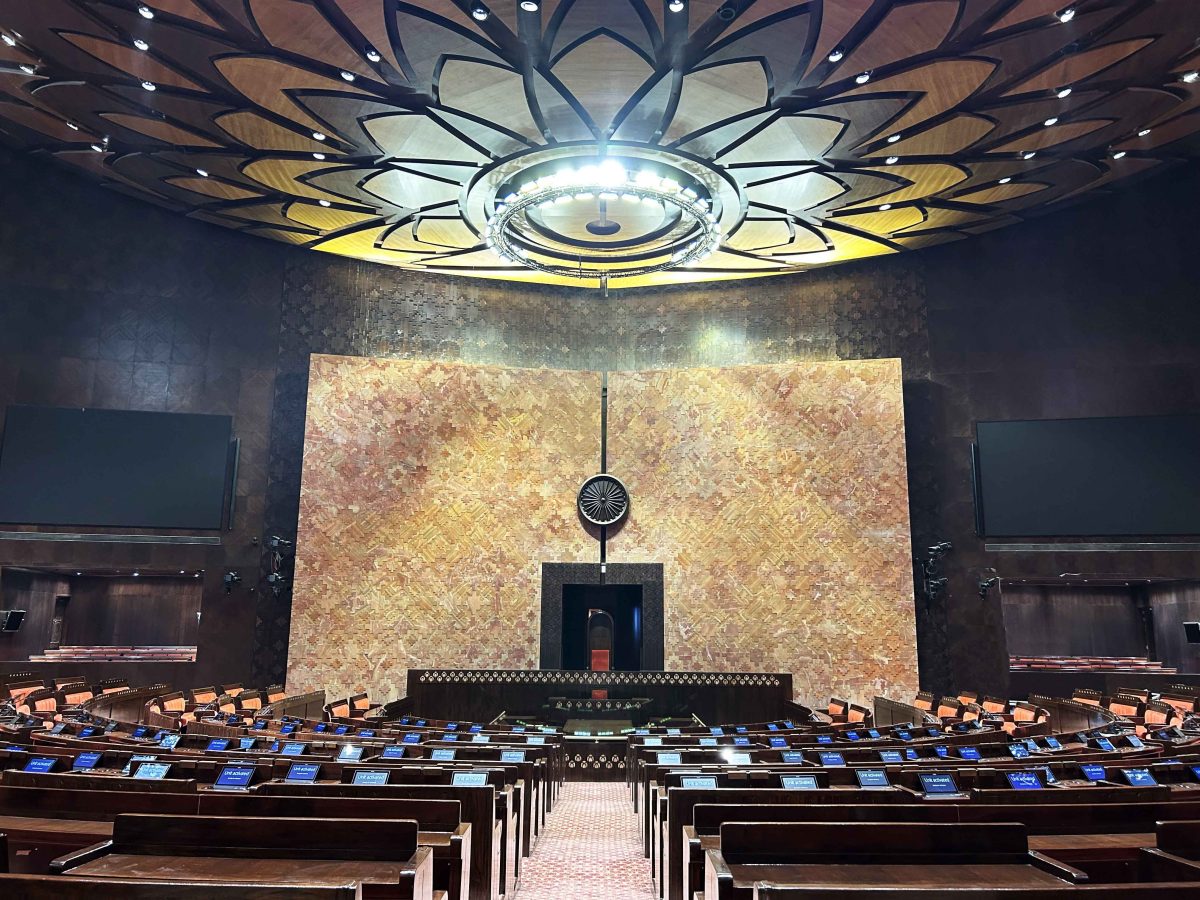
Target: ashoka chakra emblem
603,500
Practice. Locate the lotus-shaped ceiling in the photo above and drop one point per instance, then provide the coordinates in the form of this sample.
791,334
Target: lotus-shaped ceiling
420,133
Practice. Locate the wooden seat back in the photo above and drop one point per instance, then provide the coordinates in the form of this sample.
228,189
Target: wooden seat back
1181,838
58,887
924,700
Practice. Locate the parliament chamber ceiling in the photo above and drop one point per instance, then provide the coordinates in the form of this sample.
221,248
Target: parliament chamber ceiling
604,143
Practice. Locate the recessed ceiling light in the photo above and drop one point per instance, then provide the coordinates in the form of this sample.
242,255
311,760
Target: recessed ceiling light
1053,120
1190,77
892,160
202,173
1066,15
676,6
836,55
885,207
317,136
149,86
136,574
72,126
181,572
99,148
1120,154
893,138
140,44
530,5
1006,179
28,69
863,78
318,156
8,39
373,54
324,202
348,76
1143,132
1064,93
145,12
1029,154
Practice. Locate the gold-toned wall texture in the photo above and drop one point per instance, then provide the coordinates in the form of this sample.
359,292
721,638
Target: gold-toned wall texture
775,496
431,493
777,499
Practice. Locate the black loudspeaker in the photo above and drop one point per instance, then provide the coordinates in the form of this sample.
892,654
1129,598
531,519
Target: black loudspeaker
1192,631
11,619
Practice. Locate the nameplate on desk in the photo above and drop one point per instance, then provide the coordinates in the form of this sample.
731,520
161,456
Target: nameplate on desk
873,734
719,732
741,729
891,756
698,782
1093,772
1024,781
520,729
910,753
452,726
469,779
87,732
370,776
304,773
350,753
669,759
139,732
85,761
393,751
366,733
341,729
778,742
942,750
320,728
708,742
234,778
771,726
853,736
904,735
137,758
1196,772
475,729
798,782
871,778
535,739
1138,778
218,745
512,756
481,739
1104,744
674,732
937,783
740,759
830,758
1018,751
933,732
792,756
152,771
449,736
247,743
971,753
287,729
442,754
259,724
421,723
41,764
169,741
637,732
657,741
411,738
741,742
1047,774
824,739
1134,741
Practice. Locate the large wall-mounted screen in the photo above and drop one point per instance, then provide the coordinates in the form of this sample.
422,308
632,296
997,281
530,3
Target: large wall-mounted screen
113,468
1089,477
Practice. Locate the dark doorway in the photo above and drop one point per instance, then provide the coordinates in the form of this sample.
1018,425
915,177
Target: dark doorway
623,602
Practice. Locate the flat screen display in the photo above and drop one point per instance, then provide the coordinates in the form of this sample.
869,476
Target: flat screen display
370,776
303,772
86,761
829,758
1024,781
234,778
152,771
938,783
891,756
798,782
1067,477
41,764
114,468
393,751
218,745
871,778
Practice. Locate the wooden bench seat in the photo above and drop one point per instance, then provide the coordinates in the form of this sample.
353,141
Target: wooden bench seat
61,887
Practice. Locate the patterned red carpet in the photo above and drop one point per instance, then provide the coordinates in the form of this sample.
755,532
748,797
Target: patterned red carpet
590,849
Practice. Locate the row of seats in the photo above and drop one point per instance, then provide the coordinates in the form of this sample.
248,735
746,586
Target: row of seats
116,654
1090,664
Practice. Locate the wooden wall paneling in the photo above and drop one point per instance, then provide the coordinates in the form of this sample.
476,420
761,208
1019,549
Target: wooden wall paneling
1072,621
1174,604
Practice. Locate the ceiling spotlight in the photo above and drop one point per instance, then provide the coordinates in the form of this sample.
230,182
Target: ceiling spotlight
892,160
141,45
530,5
348,76
324,202
373,54
1053,120
1190,77
836,55
99,148
28,69
317,136
893,138
1064,93
1066,15
1029,154
8,39
136,574
318,156
181,572
145,12
676,6
863,78
203,174
479,12
72,126
1143,132
1006,179
149,86
1120,154
885,207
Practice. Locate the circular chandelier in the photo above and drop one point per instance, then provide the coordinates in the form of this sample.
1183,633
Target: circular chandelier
669,212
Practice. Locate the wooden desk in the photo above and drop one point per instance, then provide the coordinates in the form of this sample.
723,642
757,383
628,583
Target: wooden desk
232,869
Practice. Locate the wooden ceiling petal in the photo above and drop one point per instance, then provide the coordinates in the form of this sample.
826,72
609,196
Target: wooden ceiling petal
325,219
602,74
588,17
1079,67
1167,132
480,134
410,189
884,223
715,94
842,246
300,28
797,193
712,142
371,19
445,232
794,138
775,43
283,175
488,92
905,31
837,20
363,244
738,263
159,129
40,121
644,120
944,139
804,239
1044,138
414,136
926,180
1027,11
130,61
262,134
212,187
760,234
938,87
562,120
423,44
1001,192
942,217
269,83
184,9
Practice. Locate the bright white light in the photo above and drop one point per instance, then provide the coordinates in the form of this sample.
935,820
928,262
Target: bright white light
1143,132
1053,120
149,86
324,203
317,136
676,6
28,69
530,5
145,12
1190,77
141,45
318,156
1029,154
373,55
836,55
863,78
584,195
1064,93
202,173
348,76
1005,180
1120,154
11,41
893,138
98,148
608,195
892,160
1066,15
885,207
72,126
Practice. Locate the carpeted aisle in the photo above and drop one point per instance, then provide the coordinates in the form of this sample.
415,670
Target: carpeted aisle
590,849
